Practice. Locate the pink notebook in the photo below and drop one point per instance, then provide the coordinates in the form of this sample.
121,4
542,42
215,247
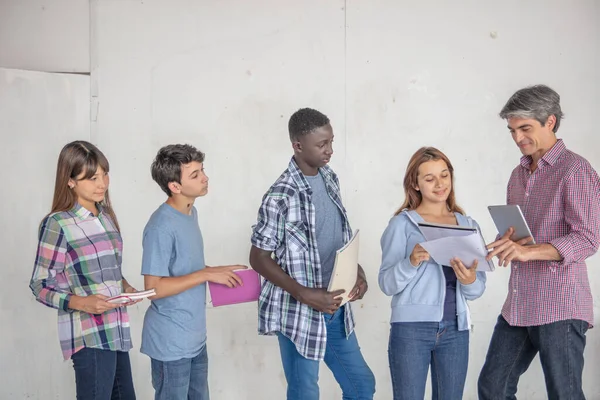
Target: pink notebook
222,295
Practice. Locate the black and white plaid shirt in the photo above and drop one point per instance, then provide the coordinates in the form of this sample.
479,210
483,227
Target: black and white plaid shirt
286,226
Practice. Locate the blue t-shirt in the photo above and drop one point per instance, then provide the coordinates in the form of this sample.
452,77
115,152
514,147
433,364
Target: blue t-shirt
329,226
174,326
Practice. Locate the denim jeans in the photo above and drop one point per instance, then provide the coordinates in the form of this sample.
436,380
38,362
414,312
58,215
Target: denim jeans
102,375
342,356
184,379
513,348
416,346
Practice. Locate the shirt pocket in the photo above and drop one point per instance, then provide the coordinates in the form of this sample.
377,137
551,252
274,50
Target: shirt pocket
296,237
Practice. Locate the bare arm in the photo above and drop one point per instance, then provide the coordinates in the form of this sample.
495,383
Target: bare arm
261,262
318,298
166,286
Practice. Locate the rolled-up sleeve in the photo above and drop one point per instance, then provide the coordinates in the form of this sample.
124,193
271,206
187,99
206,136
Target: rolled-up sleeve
582,215
269,230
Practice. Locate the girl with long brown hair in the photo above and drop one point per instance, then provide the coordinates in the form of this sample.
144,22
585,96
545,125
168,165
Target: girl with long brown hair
430,318
78,267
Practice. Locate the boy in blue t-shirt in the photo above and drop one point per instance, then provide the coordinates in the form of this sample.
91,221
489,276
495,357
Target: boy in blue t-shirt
174,333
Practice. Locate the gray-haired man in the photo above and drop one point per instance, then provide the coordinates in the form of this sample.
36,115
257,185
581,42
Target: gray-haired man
549,306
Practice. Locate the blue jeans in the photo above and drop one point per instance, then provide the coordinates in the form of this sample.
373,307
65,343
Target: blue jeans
513,348
102,375
415,346
184,379
342,356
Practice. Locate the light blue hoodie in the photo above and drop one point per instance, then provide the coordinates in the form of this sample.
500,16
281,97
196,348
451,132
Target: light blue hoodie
418,293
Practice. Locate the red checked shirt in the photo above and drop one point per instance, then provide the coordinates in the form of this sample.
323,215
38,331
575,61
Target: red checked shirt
561,204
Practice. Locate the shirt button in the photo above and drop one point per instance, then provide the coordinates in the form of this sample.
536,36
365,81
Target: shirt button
514,290
526,194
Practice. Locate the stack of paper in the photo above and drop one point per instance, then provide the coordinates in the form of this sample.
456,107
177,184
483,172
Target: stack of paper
129,297
445,242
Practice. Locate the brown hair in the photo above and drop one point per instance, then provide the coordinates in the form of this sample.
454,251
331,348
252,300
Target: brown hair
413,196
75,158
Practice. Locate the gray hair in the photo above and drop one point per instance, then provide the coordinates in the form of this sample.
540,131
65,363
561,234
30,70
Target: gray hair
536,102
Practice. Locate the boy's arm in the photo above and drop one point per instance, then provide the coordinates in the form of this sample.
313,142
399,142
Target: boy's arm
319,299
156,260
166,286
262,262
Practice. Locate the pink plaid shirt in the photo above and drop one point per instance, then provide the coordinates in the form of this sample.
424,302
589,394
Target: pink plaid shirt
561,203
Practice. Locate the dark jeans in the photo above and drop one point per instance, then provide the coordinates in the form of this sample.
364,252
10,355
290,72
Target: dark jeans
415,346
103,375
512,348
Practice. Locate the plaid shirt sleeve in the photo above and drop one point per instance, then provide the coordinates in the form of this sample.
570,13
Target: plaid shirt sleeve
49,266
268,233
582,214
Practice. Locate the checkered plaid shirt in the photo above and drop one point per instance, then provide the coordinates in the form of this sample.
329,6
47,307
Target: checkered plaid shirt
286,226
561,203
80,254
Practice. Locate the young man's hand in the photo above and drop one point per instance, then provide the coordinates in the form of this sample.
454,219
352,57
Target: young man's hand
360,287
321,299
224,275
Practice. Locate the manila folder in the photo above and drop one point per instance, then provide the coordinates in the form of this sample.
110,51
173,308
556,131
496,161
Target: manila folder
345,268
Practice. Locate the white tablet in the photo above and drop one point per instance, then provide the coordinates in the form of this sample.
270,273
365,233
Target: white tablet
506,216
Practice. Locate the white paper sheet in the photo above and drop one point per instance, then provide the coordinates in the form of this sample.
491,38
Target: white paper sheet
467,248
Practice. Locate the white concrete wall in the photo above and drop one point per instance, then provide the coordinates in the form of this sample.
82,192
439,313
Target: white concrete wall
392,76
41,35
39,114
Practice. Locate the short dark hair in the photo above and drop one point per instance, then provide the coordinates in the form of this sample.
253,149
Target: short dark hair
304,121
166,167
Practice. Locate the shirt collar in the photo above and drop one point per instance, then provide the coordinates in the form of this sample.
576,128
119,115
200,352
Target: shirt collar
83,213
551,156
298,176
